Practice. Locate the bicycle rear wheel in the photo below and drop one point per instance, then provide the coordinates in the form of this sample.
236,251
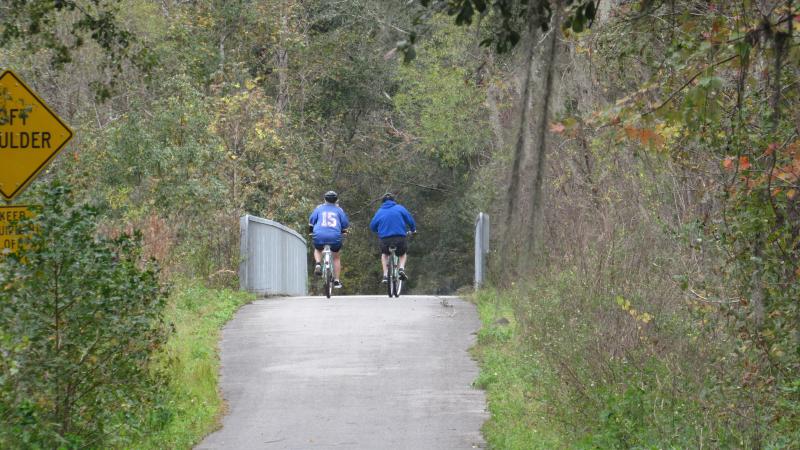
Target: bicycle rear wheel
328,284
398,285
327,271
392,278
327,275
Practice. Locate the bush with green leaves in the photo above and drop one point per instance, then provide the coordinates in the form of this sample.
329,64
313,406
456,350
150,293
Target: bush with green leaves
80,323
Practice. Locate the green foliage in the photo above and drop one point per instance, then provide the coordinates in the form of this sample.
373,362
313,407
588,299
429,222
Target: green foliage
439,97
62,27
81,317
508,20
260,106
716,104
577,372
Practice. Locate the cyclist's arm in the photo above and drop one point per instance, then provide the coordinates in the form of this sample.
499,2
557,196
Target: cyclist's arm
345,221
373,225
312,220
409,220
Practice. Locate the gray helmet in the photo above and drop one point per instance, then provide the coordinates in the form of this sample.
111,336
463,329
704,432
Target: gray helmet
331,196
387,196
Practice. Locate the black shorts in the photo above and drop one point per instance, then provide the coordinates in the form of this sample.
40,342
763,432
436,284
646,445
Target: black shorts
334,247
399,242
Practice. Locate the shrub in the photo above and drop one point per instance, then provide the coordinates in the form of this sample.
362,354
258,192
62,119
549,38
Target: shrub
80,322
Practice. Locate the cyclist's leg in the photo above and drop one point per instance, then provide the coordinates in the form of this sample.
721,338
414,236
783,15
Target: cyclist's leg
317,258
318,246
402,251
337,265
385,264
384,246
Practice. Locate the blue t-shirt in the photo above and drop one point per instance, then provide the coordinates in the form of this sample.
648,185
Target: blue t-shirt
328,221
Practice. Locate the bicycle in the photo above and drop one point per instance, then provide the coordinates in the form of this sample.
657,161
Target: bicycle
395,284
327,270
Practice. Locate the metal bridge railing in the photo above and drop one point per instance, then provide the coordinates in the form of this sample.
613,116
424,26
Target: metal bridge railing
273,258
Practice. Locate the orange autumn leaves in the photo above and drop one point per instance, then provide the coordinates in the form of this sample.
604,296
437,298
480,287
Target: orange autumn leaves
777,167
645,136
729,163
782,175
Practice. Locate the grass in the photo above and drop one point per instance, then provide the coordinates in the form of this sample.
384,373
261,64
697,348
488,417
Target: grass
510,377
547,385
194,404
567,365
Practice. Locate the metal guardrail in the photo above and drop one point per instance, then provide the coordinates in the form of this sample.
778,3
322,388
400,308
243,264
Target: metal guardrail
481,248
273,258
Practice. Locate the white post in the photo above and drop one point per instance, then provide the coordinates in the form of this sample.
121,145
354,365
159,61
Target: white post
481,248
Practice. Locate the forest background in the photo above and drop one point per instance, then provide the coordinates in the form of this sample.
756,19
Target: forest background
640,161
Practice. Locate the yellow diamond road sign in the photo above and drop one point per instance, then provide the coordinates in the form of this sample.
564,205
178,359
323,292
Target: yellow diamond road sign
31,135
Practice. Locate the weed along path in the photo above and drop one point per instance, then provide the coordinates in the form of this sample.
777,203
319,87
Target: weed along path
357,372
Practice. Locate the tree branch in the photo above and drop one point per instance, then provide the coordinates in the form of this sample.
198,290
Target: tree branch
688,82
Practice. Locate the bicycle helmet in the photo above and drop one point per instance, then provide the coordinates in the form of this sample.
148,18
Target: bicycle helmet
331,197
387,196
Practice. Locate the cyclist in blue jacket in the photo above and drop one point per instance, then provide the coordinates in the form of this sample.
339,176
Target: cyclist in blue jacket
327,224
390,224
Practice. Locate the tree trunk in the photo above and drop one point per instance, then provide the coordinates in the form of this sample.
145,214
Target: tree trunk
495,115
282,63
523,217
540,150
512,228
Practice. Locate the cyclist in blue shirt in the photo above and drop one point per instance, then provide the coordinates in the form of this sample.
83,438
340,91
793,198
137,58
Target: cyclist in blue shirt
327,224
390,224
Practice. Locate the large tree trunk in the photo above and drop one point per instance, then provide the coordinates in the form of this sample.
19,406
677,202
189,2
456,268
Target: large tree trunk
495,115
282,62
523,219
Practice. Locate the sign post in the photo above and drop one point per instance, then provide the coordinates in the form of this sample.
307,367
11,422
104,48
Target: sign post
31,135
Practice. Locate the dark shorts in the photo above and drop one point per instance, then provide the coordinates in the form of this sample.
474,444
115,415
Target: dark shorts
334,247
394,241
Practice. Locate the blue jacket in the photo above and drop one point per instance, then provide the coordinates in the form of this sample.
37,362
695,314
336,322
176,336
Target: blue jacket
328,221
391,219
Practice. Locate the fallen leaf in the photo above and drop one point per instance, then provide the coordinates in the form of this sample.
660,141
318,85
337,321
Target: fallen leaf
557,127
728,163
744,163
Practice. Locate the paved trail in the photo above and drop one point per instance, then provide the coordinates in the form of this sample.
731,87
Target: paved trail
357,372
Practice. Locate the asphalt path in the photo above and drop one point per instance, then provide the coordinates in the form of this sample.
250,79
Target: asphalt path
355,372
